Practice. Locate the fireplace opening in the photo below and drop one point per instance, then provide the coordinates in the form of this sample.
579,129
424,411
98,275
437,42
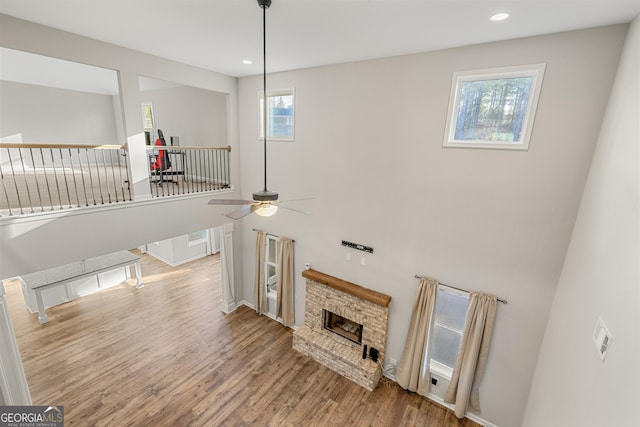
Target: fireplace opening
342,326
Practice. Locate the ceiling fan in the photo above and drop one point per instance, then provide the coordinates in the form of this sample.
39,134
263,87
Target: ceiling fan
265,202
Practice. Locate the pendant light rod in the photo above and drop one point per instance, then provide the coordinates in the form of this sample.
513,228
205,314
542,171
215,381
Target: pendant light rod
264,4
264,195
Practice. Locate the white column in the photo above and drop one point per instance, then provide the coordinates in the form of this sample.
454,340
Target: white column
13,382
226,258
132,121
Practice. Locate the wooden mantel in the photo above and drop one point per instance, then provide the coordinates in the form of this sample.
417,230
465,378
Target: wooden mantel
348,287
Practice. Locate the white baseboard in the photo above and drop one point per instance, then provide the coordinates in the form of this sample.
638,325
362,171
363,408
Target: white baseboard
441,402
173,264
269,315
469,415
247,303
229,308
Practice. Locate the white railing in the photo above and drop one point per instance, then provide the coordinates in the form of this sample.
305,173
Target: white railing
185,170
48,177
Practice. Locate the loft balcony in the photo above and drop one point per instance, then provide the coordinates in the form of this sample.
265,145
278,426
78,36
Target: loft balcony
39,178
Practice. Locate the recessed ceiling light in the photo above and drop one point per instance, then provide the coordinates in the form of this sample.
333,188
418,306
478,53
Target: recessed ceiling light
247,62
499,17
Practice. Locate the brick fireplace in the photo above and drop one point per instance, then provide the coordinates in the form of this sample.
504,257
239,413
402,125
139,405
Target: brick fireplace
340,319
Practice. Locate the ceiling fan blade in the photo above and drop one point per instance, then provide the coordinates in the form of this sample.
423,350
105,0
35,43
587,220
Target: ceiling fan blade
243,211
296,200
294,210
229,202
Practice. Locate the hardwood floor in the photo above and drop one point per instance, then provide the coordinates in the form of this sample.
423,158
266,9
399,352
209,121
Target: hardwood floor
165,355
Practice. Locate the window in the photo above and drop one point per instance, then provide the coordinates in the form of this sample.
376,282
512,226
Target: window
197,237
147,120
279,115
448,325
271,265
493,108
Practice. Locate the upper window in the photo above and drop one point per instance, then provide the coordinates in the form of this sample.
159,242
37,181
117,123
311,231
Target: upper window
197,237
493,108
147,120
448,325
279,115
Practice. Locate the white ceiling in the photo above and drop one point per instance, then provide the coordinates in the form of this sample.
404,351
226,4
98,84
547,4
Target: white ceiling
219,34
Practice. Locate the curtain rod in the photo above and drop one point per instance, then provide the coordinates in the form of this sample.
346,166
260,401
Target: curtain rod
272,235
504,301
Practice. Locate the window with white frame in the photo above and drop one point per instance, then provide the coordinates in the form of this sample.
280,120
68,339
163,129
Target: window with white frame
271,265
197,237
280,114
449,317
147,119
493,108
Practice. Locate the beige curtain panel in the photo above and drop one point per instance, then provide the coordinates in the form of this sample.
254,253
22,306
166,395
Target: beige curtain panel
284,301
413,371
472,355
259,292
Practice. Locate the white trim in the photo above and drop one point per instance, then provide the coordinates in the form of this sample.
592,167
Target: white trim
440,370
535,71
227,268
455,291
13,381
269,315
199,241
285,91
177,264
441,402
469,415
37,216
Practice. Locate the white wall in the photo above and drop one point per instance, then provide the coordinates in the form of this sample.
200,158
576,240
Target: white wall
45,115
42,241
177,250
601,277
369,147
198,117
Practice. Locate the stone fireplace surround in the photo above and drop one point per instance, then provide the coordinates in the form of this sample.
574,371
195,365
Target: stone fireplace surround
356,303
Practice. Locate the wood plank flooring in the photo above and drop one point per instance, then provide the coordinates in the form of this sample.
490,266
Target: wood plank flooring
165,355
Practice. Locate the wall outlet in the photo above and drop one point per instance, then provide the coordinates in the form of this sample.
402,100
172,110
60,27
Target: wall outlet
348,257
373,354
363,261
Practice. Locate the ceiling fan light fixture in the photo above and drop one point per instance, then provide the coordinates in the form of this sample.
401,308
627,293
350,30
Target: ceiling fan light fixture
265,196
267,209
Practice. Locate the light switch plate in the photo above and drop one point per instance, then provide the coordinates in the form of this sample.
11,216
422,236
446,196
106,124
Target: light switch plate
602,338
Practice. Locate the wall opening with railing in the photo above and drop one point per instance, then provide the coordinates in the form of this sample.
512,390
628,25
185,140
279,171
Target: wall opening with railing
186,170
40,178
